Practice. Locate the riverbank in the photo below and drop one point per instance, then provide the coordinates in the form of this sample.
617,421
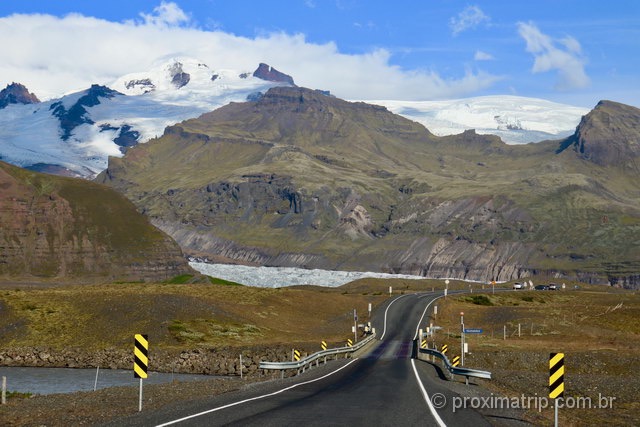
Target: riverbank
107,405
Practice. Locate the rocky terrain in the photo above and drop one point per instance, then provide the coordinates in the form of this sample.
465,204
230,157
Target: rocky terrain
213,361
16,93
63,228
298,178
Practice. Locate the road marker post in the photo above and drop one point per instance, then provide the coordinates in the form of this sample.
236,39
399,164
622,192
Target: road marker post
556,380
355,325
323,345
455,362
95,384
140,361
462,336
296,355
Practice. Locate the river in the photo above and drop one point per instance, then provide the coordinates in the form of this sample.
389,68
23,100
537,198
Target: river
68,380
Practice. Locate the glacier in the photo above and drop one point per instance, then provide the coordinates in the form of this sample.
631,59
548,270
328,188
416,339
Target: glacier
278,277
150,101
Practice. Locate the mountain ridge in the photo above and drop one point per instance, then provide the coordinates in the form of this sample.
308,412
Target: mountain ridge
298,178
64,136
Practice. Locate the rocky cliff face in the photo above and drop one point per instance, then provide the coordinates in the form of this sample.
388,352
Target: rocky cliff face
15,93
60,228
268,73
608,136
298,178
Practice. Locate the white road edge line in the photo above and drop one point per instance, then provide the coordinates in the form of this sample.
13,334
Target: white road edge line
384,331
426,396
415,336
254,398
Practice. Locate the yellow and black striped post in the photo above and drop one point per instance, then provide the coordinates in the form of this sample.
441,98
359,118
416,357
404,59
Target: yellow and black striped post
423,344
556,380
140,361
349,342
296,355
455,361
556,375
323,345
140,356
444,349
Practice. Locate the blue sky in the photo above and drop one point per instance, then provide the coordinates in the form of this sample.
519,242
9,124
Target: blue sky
575,52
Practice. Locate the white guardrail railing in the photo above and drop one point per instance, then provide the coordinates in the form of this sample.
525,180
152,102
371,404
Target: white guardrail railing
454,370
315,357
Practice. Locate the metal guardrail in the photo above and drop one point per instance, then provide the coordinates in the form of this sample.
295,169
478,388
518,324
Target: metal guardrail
466,372
307,361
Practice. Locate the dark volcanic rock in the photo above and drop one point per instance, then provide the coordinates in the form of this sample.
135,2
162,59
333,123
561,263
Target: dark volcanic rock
145,84
608,136
178,77
15,93
127,138
76,115
268,73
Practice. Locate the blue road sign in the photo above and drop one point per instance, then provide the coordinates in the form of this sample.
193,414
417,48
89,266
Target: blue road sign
473,331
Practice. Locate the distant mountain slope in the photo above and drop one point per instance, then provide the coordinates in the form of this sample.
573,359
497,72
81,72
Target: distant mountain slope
61,228
298,178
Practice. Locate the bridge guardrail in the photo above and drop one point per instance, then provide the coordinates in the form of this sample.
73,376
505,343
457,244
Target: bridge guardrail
466,372
307,361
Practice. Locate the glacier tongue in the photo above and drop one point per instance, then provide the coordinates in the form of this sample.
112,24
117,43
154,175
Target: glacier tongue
277,277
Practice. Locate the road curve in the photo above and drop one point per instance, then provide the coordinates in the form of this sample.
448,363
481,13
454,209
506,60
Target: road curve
384,387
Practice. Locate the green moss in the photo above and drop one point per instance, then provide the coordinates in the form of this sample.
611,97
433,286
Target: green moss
479,300
181,279
218,281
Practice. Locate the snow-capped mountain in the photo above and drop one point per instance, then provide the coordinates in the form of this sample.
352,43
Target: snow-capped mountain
515,119
77,133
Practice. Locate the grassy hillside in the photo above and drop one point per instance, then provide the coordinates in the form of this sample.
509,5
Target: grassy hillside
55,227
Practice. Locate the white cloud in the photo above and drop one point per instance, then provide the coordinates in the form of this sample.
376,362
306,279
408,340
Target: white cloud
52,56
166,14
469,18
483,56
564,56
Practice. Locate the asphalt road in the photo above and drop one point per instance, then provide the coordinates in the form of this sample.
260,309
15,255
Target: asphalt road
385,387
